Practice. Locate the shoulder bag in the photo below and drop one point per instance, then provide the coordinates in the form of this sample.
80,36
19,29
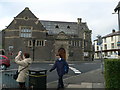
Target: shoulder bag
15,76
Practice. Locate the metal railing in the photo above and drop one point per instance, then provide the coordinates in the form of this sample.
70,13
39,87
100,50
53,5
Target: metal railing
7,81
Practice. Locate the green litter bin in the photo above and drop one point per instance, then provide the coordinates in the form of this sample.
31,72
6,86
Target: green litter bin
37,78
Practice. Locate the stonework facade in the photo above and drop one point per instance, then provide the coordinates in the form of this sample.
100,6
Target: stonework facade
43,39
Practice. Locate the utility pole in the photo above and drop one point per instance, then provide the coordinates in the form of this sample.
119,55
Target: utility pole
117,9
100,55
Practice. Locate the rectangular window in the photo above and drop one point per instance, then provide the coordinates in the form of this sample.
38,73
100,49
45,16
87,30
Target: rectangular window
105,53
37,43
70,42
104,40
80,44
25,32
105,46
111,52
97,54
112,45
40,42
85,54
112,38
84,44
74,43
97,47
30,43
84,35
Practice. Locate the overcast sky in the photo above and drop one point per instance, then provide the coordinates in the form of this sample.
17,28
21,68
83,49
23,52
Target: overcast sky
97,13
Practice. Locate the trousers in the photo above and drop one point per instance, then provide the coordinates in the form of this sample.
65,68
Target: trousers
60,82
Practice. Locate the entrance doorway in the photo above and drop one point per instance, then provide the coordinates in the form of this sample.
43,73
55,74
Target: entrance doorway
62,52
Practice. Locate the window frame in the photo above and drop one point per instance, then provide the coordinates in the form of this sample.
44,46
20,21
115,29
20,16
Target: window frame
25,32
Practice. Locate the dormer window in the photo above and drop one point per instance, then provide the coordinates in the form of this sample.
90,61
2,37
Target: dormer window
56,26
68,27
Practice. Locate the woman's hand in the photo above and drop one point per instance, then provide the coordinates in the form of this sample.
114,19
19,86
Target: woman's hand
19,53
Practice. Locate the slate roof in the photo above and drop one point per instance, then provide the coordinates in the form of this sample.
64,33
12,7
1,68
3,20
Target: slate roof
112,34
55,27
27,18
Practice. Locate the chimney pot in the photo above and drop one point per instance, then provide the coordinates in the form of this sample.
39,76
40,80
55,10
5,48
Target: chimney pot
113,30
79,20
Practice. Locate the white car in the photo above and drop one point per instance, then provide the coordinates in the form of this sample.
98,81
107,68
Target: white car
111,57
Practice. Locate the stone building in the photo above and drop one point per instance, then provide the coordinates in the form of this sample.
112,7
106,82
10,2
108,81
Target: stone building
43,38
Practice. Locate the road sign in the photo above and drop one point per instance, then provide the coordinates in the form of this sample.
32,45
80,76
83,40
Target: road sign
100,41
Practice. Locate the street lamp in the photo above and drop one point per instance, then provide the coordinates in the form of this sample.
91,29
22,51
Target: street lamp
118,9
33,41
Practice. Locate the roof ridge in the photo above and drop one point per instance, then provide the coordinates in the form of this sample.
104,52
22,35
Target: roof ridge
58,21
112,34
26,13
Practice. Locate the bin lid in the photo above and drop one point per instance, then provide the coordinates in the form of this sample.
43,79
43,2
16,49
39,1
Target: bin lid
37,70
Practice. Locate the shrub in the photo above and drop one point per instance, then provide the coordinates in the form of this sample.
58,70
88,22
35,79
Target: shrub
112,73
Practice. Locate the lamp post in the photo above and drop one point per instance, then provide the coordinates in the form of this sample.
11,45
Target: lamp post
117,9
33,41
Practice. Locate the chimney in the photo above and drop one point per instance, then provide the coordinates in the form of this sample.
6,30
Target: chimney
79,20
113,30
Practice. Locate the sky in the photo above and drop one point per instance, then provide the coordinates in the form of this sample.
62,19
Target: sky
96,13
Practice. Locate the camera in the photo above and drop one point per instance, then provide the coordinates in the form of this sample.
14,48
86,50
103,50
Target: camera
20,52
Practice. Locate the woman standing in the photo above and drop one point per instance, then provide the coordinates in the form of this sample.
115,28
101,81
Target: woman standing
24,63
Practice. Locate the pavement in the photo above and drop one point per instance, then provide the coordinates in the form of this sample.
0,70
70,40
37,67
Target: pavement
91,79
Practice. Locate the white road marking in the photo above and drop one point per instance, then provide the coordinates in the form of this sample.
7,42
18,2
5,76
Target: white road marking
71,64
75,70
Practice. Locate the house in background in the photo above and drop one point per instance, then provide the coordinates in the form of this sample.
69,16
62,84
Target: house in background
44,38
110,46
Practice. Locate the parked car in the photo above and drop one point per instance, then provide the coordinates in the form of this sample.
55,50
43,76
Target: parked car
111,57
4,62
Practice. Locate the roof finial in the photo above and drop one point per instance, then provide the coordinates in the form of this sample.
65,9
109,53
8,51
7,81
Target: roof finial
26,8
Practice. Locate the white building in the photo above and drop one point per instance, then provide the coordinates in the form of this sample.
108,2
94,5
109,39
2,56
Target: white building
109,46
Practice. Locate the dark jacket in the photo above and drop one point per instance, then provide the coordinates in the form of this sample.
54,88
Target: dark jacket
60,66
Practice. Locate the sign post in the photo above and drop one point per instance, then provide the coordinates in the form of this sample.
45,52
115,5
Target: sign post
100,41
